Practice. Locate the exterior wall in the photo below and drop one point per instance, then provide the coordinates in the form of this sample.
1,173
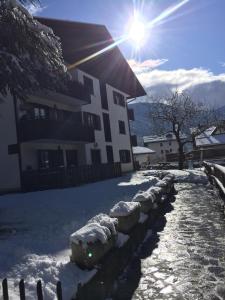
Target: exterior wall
161,157
30,157
9,163
116,113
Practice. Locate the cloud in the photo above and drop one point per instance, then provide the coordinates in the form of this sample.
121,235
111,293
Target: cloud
35,9
200,83
139,67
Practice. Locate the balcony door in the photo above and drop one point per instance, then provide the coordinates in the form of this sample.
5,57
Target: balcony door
71,158
50,158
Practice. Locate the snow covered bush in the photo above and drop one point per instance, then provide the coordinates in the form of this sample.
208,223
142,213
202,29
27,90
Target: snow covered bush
89,244
107,221
146,200
127,213
30,54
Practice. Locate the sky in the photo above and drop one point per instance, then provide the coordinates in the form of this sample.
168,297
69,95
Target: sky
186,49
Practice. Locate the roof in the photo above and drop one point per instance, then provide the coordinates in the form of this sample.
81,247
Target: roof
80,40
161,138
142,150
209,138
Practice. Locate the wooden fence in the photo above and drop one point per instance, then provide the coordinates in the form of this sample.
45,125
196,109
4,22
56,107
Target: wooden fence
216,174
22,290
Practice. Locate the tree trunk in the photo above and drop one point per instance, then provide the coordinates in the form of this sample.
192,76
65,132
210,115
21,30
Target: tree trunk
181,157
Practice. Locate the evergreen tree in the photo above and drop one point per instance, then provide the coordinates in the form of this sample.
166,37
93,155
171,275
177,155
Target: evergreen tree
30,53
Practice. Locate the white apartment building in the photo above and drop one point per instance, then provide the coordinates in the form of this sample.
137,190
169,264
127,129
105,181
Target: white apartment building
162,145
57,140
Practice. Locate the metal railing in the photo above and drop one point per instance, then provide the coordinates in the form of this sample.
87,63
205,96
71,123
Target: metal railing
67,177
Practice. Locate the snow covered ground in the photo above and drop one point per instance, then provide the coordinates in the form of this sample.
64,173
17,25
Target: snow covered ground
35,229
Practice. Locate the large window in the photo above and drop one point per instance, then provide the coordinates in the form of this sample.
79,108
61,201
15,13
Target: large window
104,99
40,112
88,83
50,158
71,158
118,98
92,120
125,156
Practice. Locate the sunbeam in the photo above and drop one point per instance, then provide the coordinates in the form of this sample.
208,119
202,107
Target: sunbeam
137,31
166,13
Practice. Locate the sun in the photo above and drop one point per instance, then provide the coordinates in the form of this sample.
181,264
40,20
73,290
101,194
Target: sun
137,32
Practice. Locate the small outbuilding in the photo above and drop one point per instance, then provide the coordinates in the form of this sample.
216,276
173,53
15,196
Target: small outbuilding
143,155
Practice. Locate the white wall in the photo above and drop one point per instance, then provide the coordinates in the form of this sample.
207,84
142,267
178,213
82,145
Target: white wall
9,164
155,146
116,113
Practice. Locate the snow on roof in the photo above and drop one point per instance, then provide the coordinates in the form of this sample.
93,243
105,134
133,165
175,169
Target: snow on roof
123,208
142,150
162,138
207,138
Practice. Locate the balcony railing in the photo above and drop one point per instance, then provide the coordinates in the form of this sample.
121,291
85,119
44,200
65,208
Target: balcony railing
65,177
65,130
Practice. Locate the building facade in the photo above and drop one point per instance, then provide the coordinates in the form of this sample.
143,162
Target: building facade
164,145
54,139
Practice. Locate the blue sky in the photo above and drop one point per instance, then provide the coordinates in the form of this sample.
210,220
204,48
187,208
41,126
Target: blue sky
193,38
186,51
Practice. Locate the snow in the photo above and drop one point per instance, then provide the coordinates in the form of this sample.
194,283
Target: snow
142,196
35,230
142,150
90,233
121,239
143,218
107,221
123,209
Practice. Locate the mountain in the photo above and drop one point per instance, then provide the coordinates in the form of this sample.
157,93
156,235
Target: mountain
143,125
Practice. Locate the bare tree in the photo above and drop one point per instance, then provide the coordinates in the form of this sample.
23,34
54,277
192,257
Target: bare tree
178,113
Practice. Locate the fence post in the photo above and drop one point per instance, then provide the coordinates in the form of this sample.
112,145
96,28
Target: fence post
39,290
59,290
22,290
5,289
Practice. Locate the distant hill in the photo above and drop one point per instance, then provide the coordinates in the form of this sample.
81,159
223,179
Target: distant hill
143,125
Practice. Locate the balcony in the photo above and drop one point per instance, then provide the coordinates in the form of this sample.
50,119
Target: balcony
55,130
74,95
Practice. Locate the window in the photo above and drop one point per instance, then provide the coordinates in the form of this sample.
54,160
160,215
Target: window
88,83
171,150
162,151
40,113
107,128
169,143
104,99
119,99
122,129
161,144
125,156
92,120
50,158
